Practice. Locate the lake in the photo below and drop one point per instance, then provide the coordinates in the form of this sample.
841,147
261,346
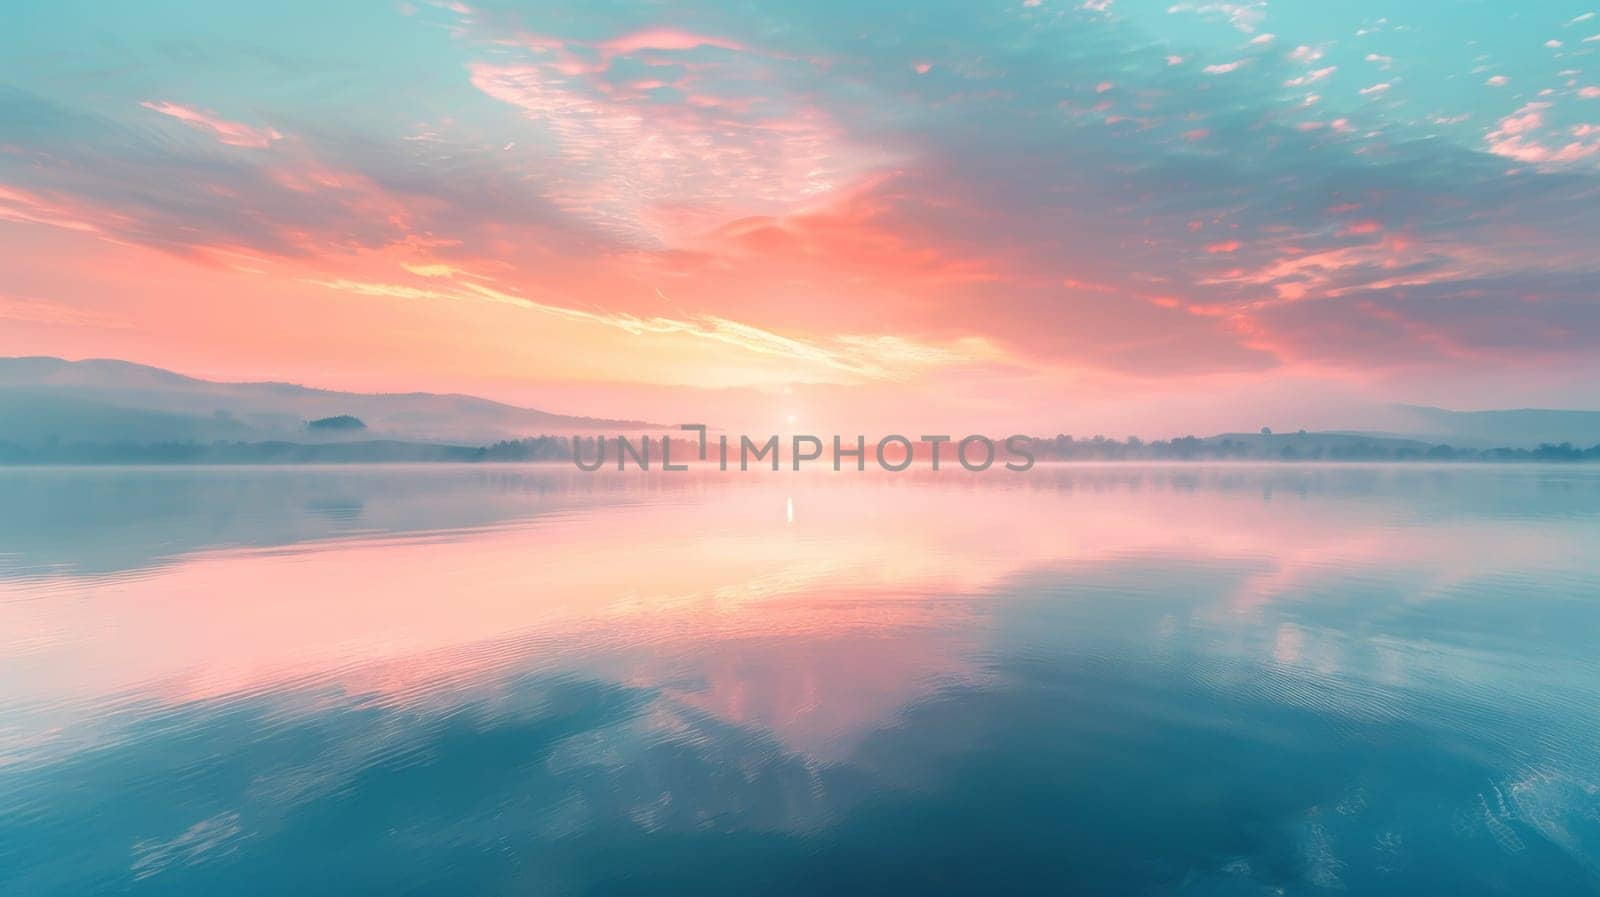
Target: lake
1117,679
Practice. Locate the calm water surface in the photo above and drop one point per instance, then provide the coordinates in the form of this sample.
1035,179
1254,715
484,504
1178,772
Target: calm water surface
1218,680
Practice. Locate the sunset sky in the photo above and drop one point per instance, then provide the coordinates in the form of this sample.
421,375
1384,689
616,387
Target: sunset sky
1039,215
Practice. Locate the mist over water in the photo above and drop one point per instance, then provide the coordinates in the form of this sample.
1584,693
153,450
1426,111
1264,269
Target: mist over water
1119,679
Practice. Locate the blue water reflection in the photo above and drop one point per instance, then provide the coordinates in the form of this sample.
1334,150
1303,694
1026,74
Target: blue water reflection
1090,680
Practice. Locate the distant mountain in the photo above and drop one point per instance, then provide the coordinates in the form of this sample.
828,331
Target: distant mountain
51,400
1520,428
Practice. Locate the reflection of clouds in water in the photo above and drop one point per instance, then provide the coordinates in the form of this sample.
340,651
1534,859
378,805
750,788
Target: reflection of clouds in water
883,693
89,521
94,521
206,840
1562,808
1154,780
1322,864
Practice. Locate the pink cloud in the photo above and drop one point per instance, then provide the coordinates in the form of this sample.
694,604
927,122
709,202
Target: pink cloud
1088,286
641,168
32,208
664,39
231,133
1331,272
1224,247
863,232
30,310
1517,137
1311,77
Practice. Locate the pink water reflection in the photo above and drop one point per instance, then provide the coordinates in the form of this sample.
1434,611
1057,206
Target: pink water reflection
813,607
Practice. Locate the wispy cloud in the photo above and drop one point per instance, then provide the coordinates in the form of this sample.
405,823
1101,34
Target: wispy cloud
842,358
31,208
29,310
231,133
643,167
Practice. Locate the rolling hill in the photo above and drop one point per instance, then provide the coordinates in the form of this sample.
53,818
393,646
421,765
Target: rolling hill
46,399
